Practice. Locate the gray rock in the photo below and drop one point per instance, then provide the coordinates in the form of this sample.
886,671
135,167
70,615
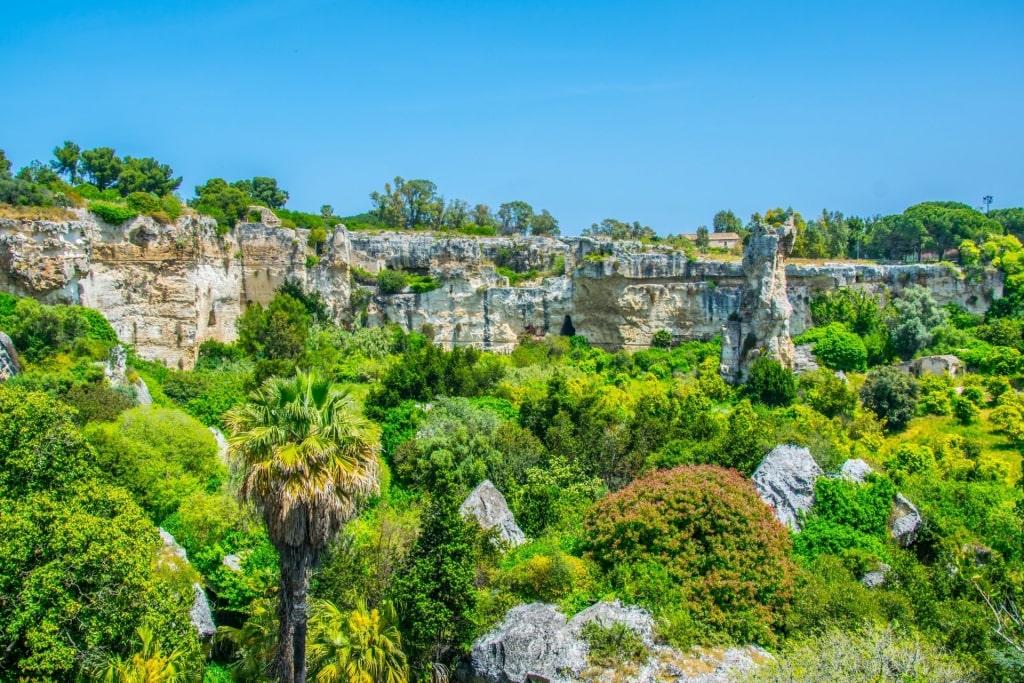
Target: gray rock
233,562
532,640
876,578
785,480
606,614
201,616
142,395
491,511
804,360
116,368
855,470
905,521
9,364
222,444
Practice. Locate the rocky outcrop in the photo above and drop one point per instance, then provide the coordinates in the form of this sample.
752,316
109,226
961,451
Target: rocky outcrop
535,642
486,504
9,363
762,327
201,616
855,470
785,481
904,522
168,288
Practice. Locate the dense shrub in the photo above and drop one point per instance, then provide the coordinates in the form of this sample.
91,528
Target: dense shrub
706,531
850,520
391,281
144,202
891,395
770,383
115,214
854,308
841,350
828,394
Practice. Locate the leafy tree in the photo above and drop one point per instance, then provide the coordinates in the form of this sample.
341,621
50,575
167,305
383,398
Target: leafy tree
456,215
148,665
160,455
391,281
841,350
5,166
891,395
254,642
770,383
703,240
326,211
662,339
66,161
854,308
917,314
359,646
828,394
514,218
481,215
617,230
101,166
544,224
715,542
434,594
727,221
307,457
225,203
146,175
39,173
1012,220
263,191
277,332
24,193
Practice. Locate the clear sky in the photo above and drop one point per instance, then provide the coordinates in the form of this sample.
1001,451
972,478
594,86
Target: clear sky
662,112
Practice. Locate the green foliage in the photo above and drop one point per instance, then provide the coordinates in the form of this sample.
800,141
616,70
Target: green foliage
770,383
828,394
614,645
146,175
391,281
263,191
434,592
854,308
222,202
874,654
917,314
101,166
841,350
363,644
39,331
115,214
662,339
717,543
144,202
891,395
553,496
848,519
278,332
160,455
20,192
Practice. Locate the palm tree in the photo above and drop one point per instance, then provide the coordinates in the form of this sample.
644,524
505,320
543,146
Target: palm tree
361,646
148,665
307,458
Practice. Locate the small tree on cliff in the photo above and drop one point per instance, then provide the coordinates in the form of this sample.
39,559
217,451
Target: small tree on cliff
307,458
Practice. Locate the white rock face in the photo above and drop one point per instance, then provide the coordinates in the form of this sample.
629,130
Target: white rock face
855,470
535,641
785,480
202,617
904,522
222,444
9,363
488,506
167,289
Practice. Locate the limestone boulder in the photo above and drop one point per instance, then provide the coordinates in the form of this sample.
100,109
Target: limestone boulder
855,470
785,480
174,556
491,511
9,364
904,522
532,640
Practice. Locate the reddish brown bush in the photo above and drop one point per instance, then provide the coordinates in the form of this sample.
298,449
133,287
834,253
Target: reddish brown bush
701,536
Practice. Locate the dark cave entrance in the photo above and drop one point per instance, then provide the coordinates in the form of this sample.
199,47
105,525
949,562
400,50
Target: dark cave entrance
567,329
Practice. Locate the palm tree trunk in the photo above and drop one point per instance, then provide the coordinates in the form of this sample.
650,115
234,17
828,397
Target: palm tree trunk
296,569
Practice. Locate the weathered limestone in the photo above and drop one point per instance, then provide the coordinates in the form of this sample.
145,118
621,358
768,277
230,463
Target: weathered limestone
486,504
9,363
535,642
785,480
167,289
855,470
904,522
202,617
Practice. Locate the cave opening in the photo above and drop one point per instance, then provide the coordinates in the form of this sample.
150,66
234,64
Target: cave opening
567,329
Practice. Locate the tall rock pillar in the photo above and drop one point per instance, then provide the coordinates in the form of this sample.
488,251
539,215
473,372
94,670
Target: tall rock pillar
762,326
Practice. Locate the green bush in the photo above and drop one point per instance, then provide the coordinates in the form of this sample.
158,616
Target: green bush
705,530
144,203
841,350
770,383
391,281
891,395
115,214
614,645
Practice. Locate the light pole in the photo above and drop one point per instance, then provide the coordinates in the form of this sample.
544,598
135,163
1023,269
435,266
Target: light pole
987,201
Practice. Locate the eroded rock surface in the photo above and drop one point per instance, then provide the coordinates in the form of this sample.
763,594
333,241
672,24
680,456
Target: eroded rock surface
202,617
536,641
9,363
488,506
785,480
855,470
904,522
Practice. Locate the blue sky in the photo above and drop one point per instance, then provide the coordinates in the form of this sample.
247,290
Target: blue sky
657,112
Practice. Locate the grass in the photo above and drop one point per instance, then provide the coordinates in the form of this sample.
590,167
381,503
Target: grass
996,450
37,213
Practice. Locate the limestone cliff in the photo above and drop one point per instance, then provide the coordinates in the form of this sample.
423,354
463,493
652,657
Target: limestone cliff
166,289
